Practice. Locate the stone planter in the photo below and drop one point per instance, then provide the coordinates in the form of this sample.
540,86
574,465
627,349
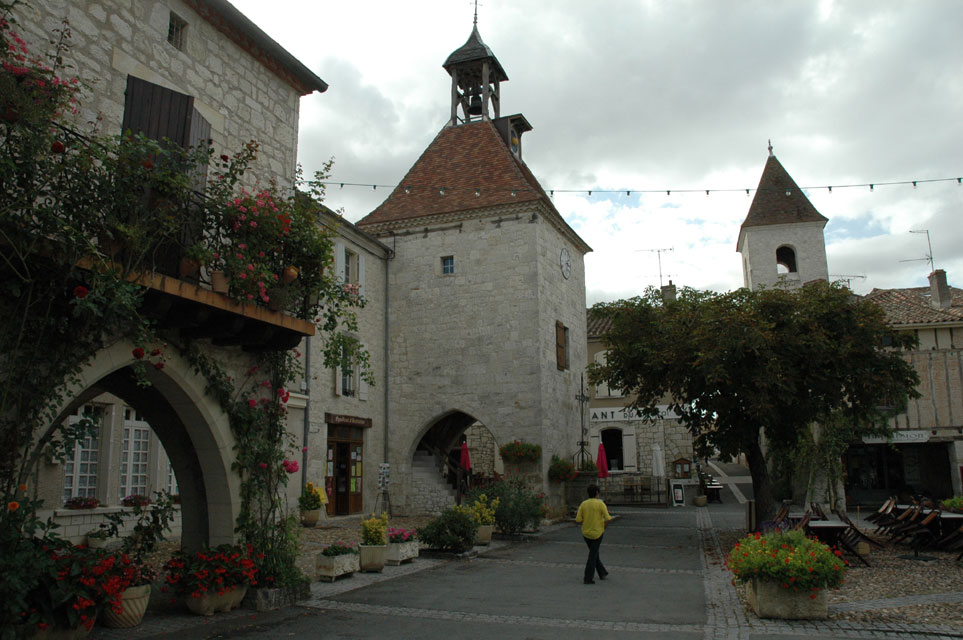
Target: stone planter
208,604
331,567
310,517
700,501
769,600
134,601
484,535
372,557
399,552
96,542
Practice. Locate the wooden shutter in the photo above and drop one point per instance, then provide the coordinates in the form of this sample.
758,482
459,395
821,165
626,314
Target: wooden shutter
560,358
158,112
199,134
361,274
339,261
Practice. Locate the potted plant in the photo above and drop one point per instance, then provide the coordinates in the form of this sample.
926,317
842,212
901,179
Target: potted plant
402,546
309,503
374,542
954,504
97,538
337,559
787,574
150,524
212,579
81,502
517,452
561,470
484,514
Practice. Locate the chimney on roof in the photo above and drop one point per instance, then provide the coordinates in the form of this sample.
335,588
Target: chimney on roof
939,290
668,292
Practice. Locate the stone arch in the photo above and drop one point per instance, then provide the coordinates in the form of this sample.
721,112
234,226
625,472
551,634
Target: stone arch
786,259
191,426
437,440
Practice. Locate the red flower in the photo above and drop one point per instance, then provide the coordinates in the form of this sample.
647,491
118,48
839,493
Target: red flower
57,147
80,291
147,164
158,365
137,352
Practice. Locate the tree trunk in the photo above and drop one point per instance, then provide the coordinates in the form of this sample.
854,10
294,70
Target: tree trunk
761,483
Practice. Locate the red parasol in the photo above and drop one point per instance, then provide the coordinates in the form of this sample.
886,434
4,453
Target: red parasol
465,458
602,462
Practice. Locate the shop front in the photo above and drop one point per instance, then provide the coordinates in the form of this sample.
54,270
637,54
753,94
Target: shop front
909,464
344,467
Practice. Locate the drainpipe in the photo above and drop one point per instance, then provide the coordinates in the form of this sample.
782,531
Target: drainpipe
390,256
307,410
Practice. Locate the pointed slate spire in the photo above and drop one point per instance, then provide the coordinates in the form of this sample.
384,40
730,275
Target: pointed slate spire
779,200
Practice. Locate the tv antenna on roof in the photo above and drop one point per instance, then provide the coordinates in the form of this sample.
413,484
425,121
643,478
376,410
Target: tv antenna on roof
658,252
929,256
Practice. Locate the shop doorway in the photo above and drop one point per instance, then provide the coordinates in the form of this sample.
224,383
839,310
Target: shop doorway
344,476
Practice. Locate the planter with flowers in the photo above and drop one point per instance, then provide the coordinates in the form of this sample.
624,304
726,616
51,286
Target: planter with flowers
337,559
212,579
81,502
484,513
561,470
786,574
374,543
310,502
402,546
150,524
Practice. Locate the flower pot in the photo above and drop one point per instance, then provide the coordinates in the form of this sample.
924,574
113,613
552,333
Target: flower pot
310,517
134,602
399,552
700,501
289,275
484,535
769,600
95,542
218,282
210,603
331,567
372,556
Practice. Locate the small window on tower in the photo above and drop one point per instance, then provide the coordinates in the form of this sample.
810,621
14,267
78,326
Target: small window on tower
448,265
177,31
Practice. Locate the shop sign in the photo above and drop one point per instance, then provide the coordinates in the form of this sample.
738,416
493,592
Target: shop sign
899,437
625,414
353,421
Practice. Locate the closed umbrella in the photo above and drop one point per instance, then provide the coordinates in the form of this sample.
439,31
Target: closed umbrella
602,462
465,458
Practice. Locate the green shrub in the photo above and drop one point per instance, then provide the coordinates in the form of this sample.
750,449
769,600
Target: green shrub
453,530
560,470
953,504
519,507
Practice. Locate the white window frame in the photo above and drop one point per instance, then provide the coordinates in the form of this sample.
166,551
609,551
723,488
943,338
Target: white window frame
448,265
135,473
86,454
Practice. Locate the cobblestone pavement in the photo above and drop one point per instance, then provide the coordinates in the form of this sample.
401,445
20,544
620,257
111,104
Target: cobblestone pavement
667,581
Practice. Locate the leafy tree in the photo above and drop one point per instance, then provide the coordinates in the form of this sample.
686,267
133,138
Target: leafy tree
745,367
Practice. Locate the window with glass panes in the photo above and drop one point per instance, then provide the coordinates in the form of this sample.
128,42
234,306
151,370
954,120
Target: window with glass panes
135,451
80,469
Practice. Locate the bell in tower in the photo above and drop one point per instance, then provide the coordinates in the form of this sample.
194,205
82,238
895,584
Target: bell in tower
475,75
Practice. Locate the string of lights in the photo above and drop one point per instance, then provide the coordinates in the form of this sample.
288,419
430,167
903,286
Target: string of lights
443,190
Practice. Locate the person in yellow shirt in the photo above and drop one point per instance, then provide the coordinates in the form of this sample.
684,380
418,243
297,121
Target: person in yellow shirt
593,514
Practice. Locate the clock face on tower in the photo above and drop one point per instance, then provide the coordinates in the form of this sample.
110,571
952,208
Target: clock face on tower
565,263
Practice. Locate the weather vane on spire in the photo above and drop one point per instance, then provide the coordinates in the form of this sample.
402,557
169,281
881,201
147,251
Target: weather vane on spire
476,13
770,146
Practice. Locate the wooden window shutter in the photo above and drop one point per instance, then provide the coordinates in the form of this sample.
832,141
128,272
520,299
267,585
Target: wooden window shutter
560,358
199,134
158,112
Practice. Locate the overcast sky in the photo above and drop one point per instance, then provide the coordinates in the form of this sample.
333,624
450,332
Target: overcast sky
631,95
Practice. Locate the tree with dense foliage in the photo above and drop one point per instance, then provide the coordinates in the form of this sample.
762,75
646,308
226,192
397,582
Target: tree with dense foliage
749,371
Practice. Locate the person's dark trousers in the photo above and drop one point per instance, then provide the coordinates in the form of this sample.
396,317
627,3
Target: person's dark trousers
593,563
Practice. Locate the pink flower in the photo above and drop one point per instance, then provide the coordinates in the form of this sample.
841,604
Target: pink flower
291,466
252,403
304,449
263,465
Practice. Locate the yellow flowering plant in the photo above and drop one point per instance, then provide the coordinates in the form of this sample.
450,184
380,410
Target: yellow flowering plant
374,530
789,559
484,511
310,498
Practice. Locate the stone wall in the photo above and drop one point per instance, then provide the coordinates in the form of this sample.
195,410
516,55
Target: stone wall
484,451
758,248
234,92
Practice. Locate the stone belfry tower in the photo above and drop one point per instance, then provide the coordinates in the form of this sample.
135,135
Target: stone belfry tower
485,295
781,240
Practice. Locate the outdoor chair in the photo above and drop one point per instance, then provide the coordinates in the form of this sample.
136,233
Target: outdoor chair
887,523
849,539
924,530
844,517
905,524
883,511
803,522
817,510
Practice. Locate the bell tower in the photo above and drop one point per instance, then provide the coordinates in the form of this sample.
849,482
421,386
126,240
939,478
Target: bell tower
475,76
781,239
